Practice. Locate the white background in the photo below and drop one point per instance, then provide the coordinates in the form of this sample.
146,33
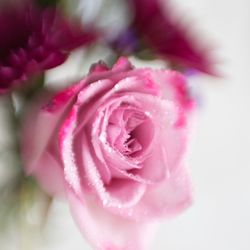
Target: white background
220,157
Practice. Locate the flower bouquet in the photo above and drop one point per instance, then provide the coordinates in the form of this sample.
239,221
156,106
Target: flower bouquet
111,142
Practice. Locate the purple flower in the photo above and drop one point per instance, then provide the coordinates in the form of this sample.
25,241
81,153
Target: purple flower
34,39
154,28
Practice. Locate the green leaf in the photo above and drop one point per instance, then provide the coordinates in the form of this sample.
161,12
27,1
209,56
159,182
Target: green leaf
45,3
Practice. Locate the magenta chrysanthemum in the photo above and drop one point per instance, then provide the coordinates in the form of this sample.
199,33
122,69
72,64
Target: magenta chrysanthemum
155,25
34,39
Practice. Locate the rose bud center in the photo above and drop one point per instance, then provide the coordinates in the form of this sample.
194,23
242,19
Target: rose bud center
129,130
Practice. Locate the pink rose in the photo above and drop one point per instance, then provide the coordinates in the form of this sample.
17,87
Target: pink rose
114,144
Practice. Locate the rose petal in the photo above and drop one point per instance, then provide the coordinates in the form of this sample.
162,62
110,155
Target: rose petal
122,64
87,100
175,88
51,179
165,199
107,231
168,198
129,192
42,125
66,139
98,67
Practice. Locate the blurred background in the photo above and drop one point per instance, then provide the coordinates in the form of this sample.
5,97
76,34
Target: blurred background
220,164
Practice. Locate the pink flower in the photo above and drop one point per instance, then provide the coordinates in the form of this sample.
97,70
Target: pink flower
115,144
155,27
34,39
